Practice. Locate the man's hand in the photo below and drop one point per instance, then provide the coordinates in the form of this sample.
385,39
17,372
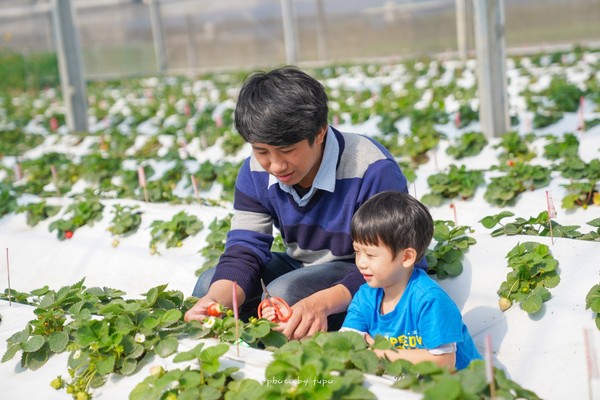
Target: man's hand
198,312
309,315
307,319
219,292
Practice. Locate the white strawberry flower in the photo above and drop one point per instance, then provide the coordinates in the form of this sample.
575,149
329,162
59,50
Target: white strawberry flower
140,337
209,322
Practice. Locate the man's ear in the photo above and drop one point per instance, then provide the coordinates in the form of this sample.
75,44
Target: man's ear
409,257
321,135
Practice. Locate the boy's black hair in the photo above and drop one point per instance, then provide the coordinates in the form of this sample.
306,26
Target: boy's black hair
395,220
281,107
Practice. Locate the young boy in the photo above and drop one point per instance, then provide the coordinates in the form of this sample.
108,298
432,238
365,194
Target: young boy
306,179
391,232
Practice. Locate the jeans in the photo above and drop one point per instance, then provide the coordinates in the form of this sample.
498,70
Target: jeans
288,279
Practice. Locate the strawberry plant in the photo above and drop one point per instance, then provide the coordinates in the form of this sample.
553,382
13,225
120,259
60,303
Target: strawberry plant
408,171
215,243
417,145
503,190
83,212
206,175
114,143
14,142
467,145
126,221
592,235
544,118
121,335
592,302
159,191
575,168
515,147
467,115
257,332
232,142
581,194
565,146
387,125
128,332
226,175
533,272
278,245
206,381
563,95
582,191
37,212
37,173
429,115
128,182
458,182
8,202
437,383
325,366
535,226
149,149
445,259
48,333
173,232
98,169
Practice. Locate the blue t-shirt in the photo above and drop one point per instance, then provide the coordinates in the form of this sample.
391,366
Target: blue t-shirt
424,318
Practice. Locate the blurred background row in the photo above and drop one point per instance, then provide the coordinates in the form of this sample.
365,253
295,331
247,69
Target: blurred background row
124,38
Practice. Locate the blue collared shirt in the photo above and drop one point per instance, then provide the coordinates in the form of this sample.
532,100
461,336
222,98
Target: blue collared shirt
325,178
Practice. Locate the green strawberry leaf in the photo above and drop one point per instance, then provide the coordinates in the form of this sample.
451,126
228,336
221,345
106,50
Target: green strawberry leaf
58,341
33,344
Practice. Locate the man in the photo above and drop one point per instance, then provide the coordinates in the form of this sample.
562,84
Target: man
306,179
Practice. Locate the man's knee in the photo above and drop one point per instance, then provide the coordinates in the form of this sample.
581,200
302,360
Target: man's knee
282,288
203,283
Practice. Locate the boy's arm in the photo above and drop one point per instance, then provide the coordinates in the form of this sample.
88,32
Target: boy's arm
447,360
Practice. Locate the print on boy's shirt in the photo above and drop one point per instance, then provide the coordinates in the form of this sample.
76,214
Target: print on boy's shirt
410,340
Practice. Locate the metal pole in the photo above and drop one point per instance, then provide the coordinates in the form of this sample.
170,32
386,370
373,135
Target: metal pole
70,66
461,29
321,32
491,61
289,31
157,36
191,42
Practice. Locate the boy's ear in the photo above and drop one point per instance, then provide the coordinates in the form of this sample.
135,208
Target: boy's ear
409,257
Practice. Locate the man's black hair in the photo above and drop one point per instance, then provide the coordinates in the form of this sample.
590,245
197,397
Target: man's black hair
281,107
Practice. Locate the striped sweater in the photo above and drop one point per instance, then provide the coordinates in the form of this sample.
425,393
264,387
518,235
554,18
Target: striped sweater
314,234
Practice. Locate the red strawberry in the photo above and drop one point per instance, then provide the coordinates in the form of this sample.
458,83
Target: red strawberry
215,310
69,234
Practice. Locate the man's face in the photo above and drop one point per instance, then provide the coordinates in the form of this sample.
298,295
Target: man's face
296,164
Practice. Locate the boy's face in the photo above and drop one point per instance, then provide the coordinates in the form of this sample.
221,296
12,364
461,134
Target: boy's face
378,265
296,164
